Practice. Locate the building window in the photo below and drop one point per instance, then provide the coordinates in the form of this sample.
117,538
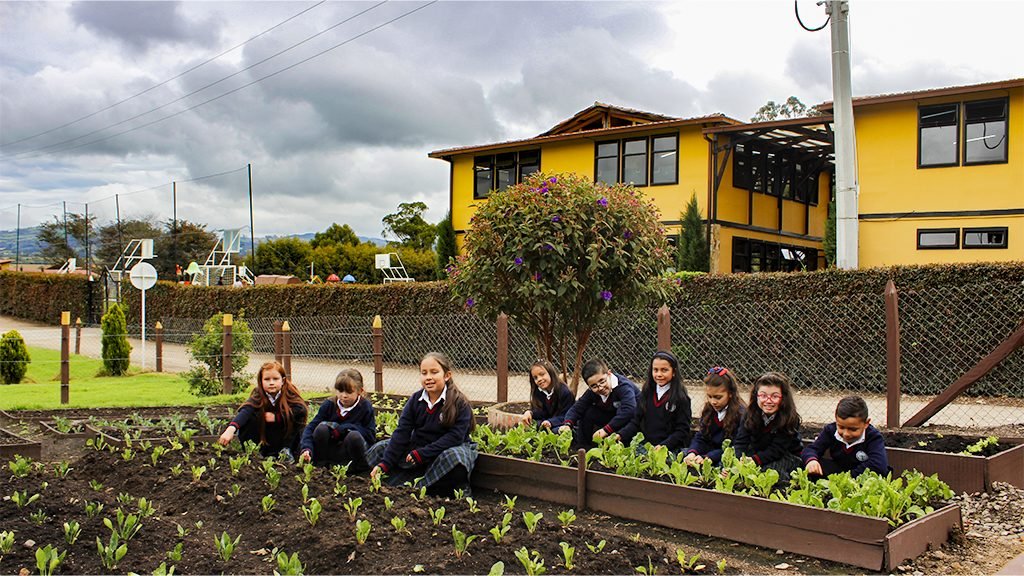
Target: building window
985,124
938,238
607,162
500,171
761,256
741,167
939,135
774,173
665,159
638,161
985,237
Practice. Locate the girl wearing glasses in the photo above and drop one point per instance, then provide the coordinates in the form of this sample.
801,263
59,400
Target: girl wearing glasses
663,410
770,432
720,419
550,398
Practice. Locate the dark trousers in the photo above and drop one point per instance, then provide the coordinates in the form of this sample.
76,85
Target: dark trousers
592,421
332,446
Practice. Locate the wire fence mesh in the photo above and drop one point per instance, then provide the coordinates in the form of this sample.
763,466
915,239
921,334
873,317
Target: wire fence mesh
829,347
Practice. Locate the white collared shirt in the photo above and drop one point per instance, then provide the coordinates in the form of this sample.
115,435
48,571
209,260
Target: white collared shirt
344,411
426,398
613,381
274,398
855,442
661,390
768,419
721,413
548,395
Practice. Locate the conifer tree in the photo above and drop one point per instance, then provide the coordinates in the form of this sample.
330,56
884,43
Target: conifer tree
692,249
446,247
116,349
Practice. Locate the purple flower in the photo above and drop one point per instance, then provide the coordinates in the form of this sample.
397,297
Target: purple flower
536,277
603,202
553,180
544,189
627,234
606,295
470,302
556,218
519,261
549,247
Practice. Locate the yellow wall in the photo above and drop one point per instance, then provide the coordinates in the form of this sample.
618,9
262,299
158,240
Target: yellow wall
891,182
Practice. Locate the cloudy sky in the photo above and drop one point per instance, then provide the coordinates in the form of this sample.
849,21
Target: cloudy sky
105,98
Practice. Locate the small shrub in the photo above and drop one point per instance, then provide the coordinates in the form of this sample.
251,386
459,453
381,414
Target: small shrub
14,358
207,349
116,349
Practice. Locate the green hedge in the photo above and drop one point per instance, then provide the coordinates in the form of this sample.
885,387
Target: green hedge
42,297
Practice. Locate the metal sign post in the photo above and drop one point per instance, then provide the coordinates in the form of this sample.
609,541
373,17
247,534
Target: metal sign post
143,277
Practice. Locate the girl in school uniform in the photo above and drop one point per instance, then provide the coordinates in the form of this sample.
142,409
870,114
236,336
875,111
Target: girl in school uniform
604,409
663,412
273,416
770,432
550,398
719,420
343,427
432,439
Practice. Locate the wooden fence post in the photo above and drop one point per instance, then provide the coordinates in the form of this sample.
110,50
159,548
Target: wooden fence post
664,328
892,356
78,335
502,326
65,356
278,343
226,355
286,348
581,480
159,328
378,355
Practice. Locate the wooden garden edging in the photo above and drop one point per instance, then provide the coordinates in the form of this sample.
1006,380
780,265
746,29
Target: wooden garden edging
820,533
26,448
160,439
86,433
963,473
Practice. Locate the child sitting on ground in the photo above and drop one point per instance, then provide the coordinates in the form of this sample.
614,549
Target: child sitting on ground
719,420
602,410
273,416
850,444
663,411
770,433
343,427
550,398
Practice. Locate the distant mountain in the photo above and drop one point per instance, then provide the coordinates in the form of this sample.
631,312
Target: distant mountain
30,247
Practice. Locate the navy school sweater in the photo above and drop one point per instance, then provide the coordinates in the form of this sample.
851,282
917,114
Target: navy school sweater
275,433
562,397
709,443
661,422
361,418
421,434
617,411
766,443
867,455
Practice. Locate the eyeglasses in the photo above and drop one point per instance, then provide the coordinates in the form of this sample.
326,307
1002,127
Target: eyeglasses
718,371
599,384
774,396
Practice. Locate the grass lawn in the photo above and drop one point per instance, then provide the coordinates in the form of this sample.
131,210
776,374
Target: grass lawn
40,389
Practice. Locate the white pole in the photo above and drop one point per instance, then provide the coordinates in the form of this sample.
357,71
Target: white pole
847,187
143,330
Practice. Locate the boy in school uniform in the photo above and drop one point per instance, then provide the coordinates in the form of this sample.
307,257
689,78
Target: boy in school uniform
605,408
850,444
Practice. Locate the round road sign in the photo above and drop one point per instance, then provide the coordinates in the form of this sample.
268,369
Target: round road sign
143,275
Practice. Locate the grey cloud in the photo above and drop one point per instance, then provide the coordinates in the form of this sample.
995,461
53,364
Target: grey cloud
142,24
809,66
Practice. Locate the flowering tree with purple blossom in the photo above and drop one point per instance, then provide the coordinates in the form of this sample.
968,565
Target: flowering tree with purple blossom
556,253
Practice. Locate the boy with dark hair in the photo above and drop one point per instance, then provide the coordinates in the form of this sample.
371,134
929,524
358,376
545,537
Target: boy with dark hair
605,408
850,444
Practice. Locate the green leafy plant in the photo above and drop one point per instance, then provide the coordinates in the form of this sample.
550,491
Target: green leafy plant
125,499
721,564
206,355
375,483
687,564
174,554
649,570
197,472
437,515
267,503
62,469
234,490
473,507
596,548
352,507
568,553
176,470
93,509
39,517
14,358
388,503
6,542
116,350
112,552
339,472
23,499
399,524
20,466
461,541
312,511
158,451
509,503
362,531
289,565
532,563
48,559
226,546
163,570
126,527
145,508
497,569
72,530
981,445
567,517
273,478
531,519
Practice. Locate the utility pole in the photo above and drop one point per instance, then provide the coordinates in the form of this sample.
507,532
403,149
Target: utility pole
847,187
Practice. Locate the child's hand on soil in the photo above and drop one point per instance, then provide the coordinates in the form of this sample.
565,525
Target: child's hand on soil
693,459
813,467
546,425
226,436
600,434
305,456
527,418
377,471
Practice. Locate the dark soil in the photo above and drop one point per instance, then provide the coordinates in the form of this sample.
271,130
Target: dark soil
10,439
930,441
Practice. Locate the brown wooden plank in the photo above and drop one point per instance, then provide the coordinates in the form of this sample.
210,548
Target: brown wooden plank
892,356
962,473
1011,343
915,538
531,479
23,447
1007,466
837,536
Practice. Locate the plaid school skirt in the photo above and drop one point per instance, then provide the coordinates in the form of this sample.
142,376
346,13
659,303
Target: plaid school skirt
462,455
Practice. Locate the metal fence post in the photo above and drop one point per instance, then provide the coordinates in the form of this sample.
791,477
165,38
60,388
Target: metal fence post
892,356
502,326
226,355
65,354
378,355
78,335
664,328
278,343
159,328
286,348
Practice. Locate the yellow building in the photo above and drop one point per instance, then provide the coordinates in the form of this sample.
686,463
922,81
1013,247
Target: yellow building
941,175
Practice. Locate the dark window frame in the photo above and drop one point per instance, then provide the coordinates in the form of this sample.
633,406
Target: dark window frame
1004,230
954,231
492,163
648,163
618,159
768,256
1006,131
623,144
956,140
768,172
675,149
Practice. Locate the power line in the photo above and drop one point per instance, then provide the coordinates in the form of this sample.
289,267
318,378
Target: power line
34,152
155,86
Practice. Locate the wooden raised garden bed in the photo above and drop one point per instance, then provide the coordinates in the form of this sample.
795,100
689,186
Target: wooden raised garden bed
155,436
11,444
79,429
838,536
963,473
